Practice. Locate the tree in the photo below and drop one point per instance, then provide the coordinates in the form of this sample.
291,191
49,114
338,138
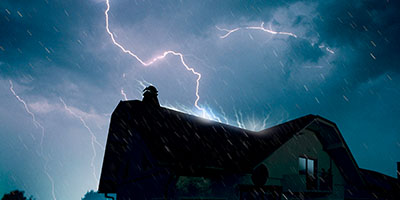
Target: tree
92,195
16,195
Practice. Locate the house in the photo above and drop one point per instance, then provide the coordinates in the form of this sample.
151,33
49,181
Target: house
158,153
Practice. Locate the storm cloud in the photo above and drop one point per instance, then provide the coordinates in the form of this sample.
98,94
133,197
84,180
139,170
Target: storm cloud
343,65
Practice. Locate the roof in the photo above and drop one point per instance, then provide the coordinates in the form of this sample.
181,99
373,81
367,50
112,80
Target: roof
188,143
381,185
379,180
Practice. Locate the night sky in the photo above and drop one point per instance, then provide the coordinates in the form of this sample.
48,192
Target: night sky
59,59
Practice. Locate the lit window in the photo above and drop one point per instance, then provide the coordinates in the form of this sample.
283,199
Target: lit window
302,165
310,166
306,165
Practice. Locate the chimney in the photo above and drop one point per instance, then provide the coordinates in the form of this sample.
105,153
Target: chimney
150,96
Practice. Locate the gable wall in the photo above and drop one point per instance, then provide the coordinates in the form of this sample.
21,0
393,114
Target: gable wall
283,164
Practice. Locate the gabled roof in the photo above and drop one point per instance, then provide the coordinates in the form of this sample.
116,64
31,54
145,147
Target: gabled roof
188,143
381,185
334,144
376,179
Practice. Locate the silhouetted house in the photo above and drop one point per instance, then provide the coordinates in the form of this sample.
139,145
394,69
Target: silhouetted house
157,153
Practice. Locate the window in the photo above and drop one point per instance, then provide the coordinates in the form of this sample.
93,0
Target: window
307,165
310,166
302,165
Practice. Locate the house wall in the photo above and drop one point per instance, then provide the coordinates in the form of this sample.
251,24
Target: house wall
283,166
138,175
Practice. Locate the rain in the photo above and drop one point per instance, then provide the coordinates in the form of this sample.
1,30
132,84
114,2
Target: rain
66,65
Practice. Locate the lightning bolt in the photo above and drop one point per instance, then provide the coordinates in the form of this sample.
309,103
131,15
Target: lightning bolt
226,30
214,116
239,118
51,180
37,125
93,136
35,122
155,59
264,124
142,84
124,94
261,28
239,122
224,114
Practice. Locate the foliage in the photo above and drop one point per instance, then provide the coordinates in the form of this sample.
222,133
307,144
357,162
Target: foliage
16,195
92,195
193,185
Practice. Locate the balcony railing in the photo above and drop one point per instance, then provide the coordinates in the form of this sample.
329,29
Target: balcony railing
324,181
303,183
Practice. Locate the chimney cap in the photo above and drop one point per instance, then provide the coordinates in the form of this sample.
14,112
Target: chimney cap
150,89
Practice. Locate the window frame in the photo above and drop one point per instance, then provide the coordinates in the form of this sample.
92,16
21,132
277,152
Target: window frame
305,172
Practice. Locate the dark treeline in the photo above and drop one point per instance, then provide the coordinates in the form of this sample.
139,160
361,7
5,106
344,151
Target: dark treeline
19,195
16,195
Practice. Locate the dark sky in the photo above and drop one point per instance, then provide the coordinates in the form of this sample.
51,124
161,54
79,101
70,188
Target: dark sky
343,65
